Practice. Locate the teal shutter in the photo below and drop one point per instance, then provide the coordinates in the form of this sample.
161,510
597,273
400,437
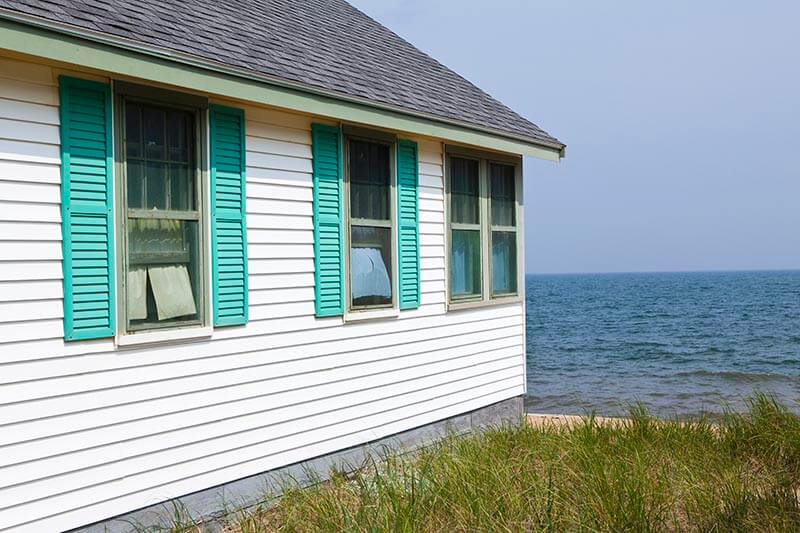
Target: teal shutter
228,209
87,218
326,146
408,223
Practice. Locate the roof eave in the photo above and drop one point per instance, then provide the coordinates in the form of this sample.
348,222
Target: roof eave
28,34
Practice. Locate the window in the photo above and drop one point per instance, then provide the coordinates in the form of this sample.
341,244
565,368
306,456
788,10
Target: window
483,217
163,247
503,205
465,230
370,215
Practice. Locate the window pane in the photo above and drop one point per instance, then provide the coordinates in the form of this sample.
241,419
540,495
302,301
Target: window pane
465,264
134,171
370,177
464,191
503,195
156,188
504,262
163,271
177,131
181,187
370,266
133,131
154,131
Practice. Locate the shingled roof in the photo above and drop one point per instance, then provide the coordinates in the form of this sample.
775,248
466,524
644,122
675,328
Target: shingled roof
322,44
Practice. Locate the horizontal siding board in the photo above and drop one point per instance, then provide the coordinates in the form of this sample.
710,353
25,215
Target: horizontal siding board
21,130
11,191
281,162
29,212
273,236
32,152
25,91
279,118
265,206
279,147
29,112
279,192
30,231
281,281
12,69
279,177
431,182
281,133
31,172
17,291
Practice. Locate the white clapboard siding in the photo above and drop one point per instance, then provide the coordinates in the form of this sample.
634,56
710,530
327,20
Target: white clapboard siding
89,430
25,448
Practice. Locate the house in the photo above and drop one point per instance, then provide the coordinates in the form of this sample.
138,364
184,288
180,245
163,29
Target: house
241,241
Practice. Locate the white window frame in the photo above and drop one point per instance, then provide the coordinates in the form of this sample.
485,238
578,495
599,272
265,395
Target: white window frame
484,202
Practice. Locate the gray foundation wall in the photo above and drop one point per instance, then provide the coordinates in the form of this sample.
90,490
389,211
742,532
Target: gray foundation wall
209,504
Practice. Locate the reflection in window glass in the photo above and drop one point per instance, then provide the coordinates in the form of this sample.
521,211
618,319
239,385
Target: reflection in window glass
504,263
464,191
157,181
371,266
503,195
154,133
465,264
370,178
135,178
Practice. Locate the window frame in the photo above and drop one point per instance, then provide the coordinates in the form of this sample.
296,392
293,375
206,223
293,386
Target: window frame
485,159
124,92
360,134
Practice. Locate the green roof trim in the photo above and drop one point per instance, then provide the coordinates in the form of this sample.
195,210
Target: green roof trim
68,45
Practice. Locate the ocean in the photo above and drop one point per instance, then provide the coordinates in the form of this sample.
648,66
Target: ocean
678,343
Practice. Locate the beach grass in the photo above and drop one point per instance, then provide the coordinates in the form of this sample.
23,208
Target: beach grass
739,473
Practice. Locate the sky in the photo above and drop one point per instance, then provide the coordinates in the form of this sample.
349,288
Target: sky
681,119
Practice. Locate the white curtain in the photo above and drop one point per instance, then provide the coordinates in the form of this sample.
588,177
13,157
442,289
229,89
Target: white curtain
137,293
463,266
172,291
369,274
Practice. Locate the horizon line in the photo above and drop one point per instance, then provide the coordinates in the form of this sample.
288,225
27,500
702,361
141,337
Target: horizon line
687,271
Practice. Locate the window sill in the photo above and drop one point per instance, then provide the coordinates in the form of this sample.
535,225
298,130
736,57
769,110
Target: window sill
374,314
472,304
163,337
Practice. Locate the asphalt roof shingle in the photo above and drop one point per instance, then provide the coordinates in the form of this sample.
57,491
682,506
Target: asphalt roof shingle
324,44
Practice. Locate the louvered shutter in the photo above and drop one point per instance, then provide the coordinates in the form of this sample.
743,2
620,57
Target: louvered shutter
228,224
326,147
408,223
87,221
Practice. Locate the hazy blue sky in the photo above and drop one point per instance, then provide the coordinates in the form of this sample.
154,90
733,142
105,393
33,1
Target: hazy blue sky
682,120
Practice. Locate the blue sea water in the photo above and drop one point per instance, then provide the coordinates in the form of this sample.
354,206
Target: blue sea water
679,343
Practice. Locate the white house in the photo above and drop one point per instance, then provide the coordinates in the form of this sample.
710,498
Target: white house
240,240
